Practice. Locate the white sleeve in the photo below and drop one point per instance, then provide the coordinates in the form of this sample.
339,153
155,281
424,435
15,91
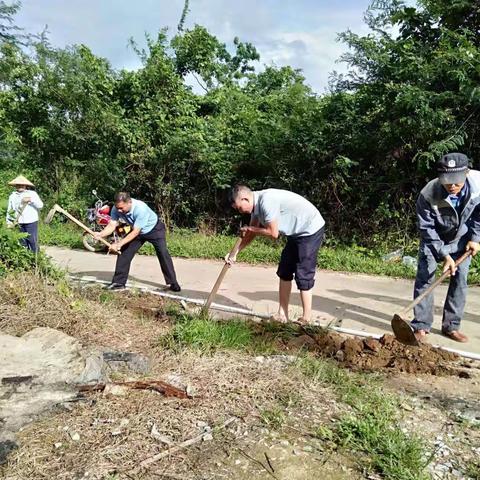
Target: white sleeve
36,200
9,210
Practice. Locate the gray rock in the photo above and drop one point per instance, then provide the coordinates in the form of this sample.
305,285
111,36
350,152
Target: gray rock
94,370
127,360
6,447
37,372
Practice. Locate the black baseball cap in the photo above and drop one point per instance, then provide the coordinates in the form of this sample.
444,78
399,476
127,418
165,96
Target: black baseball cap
453,168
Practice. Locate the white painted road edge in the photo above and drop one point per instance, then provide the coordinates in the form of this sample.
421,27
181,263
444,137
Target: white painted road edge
244,311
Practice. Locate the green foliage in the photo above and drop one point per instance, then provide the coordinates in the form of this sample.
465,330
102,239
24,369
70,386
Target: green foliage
273,418
16,258
360,152
206,334
373,427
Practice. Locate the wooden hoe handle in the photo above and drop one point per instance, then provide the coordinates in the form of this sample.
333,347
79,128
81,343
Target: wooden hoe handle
435,284
82,226
220,278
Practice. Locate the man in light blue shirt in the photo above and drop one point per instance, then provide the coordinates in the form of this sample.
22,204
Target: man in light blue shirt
274,212
146,227
23,208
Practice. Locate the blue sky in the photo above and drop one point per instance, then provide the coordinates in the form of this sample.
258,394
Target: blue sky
300,33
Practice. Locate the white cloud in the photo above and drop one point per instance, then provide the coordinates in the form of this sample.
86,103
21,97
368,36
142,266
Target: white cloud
299,33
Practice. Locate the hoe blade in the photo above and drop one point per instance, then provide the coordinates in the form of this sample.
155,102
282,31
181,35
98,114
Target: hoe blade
403,331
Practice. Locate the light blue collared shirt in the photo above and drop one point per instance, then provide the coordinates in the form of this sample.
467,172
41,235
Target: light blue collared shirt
140,216
30,213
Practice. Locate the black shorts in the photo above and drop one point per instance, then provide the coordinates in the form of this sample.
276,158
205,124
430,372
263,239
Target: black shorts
299,259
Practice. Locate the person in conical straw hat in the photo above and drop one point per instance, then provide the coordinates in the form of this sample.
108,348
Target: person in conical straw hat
23,207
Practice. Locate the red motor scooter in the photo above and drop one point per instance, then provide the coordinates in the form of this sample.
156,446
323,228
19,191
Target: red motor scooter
98,218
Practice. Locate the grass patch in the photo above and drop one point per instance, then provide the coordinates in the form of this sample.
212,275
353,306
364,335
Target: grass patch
372,428
273,418
473,470
207,335
189,244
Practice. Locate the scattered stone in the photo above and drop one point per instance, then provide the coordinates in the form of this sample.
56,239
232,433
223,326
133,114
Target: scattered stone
287,359
160,437
58,444
6,447
260,359
115,390
340,356
191,391
207,437
308,448
74,436
127,360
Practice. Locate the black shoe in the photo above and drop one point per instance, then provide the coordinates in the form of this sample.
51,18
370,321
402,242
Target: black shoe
175,287
115,286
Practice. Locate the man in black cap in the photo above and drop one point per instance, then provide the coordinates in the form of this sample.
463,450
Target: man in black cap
448,215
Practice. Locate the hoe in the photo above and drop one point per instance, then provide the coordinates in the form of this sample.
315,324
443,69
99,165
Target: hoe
401,326
58,208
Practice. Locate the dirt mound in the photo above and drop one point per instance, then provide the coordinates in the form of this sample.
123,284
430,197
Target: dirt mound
370,354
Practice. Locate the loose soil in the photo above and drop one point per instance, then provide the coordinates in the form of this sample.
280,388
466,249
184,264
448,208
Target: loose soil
355,353
386,354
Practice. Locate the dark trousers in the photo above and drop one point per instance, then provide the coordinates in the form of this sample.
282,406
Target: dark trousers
299,259
157,238
30,242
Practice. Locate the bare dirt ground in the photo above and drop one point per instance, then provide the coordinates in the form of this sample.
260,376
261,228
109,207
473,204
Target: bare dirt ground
277,410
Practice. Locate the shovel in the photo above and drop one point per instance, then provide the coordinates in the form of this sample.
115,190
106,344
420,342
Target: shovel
58,208
401,326
220,278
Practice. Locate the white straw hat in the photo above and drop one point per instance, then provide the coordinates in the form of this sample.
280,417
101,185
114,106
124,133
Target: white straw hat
21,180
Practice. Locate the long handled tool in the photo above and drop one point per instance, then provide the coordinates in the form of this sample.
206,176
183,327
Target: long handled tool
20,213
58,208
220,278
401,326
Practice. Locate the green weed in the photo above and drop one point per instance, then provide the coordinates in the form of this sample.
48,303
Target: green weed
372,428
473,470
205,334
273,418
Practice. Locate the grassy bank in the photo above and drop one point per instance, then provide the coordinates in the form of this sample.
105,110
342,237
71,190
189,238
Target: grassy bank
190,244
297,410
369,426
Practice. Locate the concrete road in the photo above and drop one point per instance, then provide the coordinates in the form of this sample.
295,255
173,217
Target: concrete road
360,302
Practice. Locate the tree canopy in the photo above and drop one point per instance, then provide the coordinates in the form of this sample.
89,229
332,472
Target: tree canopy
359,152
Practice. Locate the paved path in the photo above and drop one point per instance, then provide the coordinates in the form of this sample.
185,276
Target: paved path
359,302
